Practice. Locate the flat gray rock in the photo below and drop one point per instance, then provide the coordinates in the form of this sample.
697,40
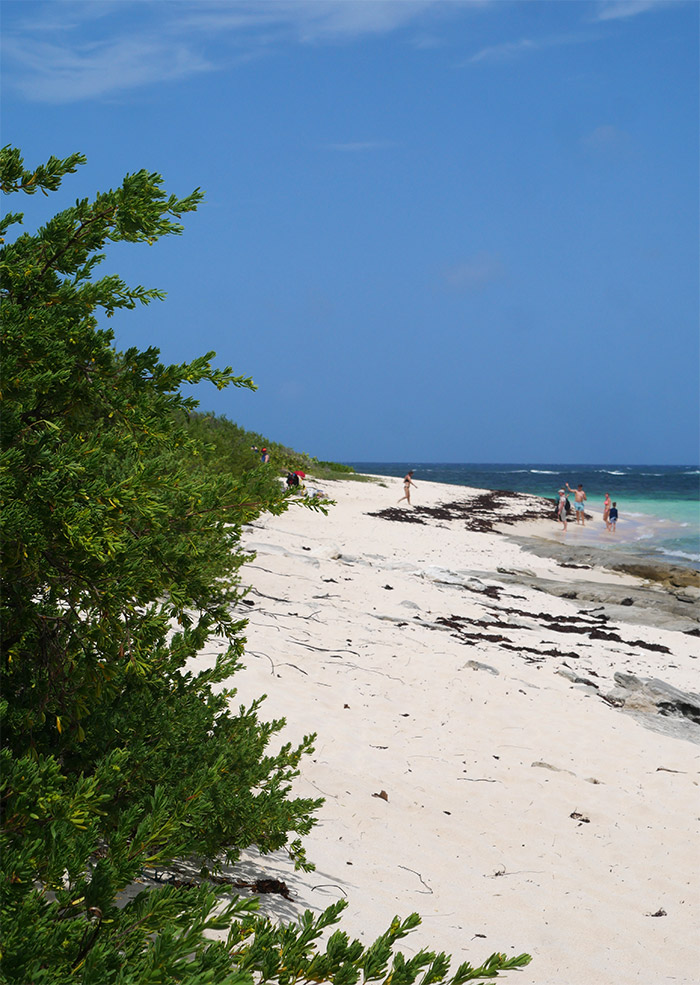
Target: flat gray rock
658,705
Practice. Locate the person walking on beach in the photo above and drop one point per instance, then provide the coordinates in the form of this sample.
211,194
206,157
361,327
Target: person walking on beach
561,508
579,500
407,483
606,508
612,518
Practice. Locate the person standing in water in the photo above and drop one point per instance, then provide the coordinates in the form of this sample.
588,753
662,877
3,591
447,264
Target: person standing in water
407,483
579,500
606,508
612,518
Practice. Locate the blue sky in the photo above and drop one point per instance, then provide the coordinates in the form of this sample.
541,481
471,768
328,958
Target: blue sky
433,231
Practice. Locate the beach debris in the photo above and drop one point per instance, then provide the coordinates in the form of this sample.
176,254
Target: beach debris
581,818
540,764
477,779
264,886
261,886
478,512
382,795
388,588
659,913
330,885
478,665
572,676
423,882
394,513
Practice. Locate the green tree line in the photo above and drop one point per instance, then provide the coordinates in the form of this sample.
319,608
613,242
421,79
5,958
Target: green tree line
122,512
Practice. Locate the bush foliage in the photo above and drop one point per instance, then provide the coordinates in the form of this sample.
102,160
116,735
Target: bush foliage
122,516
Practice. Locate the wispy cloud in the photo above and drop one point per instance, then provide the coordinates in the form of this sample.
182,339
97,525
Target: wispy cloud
504,51
312,21
61,73
81,49
610,10
475,273
512,49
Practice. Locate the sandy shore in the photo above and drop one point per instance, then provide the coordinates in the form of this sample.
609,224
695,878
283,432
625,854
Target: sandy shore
473,767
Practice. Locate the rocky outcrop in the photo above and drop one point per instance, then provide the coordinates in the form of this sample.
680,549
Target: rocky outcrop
651,700
670,576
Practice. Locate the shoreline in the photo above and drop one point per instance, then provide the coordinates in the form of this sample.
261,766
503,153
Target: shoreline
656,523
491,752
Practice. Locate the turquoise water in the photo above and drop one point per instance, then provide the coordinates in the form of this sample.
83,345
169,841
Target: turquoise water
659,505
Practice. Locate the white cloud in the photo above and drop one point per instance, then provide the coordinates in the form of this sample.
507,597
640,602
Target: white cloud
61,73
511,49
501,52
616,9
96,49
475,273
314,20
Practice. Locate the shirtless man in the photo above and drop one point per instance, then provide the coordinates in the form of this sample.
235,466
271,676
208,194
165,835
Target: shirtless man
579,500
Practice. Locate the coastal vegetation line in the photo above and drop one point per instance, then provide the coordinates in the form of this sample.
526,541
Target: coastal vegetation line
123,508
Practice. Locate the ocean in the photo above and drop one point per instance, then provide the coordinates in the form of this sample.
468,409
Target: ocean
659,505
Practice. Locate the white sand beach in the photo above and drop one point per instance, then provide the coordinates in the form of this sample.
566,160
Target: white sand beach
471,769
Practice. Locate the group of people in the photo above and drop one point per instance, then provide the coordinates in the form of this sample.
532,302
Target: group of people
609,510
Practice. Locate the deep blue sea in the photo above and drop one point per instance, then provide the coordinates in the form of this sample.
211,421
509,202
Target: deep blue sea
659,505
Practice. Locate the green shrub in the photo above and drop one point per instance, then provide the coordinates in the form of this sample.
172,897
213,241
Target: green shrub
120,561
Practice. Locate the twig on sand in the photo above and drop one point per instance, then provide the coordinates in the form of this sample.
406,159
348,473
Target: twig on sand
477,779
257,653
272,598
423,882
519,872
370,670
295,667
269,571
323,649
